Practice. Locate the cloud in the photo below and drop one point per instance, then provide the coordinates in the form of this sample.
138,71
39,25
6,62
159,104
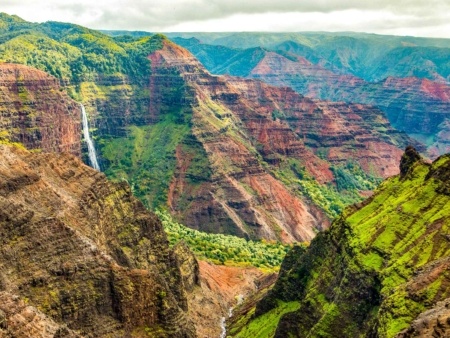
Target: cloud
384,16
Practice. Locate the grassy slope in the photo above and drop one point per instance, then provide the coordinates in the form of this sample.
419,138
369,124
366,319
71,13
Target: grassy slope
350,179
263,326
145,158
400,231
359,277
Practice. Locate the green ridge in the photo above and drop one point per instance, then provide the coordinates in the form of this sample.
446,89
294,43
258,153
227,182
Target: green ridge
361,277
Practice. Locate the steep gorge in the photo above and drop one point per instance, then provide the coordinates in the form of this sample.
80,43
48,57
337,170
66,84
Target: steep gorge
81,257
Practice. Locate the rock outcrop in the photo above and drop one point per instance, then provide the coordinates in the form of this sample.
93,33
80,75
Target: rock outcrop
381,268
80,256
37,112
431,323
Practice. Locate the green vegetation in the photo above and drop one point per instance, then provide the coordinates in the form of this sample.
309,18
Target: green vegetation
74,53
225,249
381,264
145,158
350,179
5,139
265,325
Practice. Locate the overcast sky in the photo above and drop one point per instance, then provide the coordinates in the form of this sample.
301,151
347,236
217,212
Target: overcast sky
398,17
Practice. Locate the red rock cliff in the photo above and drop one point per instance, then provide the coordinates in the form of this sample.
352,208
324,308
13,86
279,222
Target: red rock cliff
37,112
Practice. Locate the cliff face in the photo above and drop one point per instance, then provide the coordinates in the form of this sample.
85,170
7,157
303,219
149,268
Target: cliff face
239,194
80,256
417,106
37,112
381,265
249,135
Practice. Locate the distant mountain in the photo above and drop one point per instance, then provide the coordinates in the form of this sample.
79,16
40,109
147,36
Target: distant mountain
224,60
381,270
416,105
371,57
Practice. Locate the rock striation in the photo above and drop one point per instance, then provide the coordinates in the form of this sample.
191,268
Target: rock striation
414,105
80,256
37,112
405,84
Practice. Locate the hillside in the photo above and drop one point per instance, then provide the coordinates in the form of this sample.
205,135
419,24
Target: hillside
381,268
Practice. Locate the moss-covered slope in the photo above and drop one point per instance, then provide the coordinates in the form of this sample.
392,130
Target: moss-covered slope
381,264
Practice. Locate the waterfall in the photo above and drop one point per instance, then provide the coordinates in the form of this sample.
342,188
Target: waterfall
223,333
89,142
223,326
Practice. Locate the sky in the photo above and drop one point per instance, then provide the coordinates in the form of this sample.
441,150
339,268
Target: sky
430,18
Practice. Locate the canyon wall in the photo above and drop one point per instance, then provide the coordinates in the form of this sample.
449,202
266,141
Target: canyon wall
81,255
249,135
380,270
37,112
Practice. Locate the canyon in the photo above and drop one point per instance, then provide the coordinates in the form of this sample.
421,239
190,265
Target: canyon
225,155
81,255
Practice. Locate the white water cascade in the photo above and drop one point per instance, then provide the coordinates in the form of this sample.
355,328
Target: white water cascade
90,144
223,327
